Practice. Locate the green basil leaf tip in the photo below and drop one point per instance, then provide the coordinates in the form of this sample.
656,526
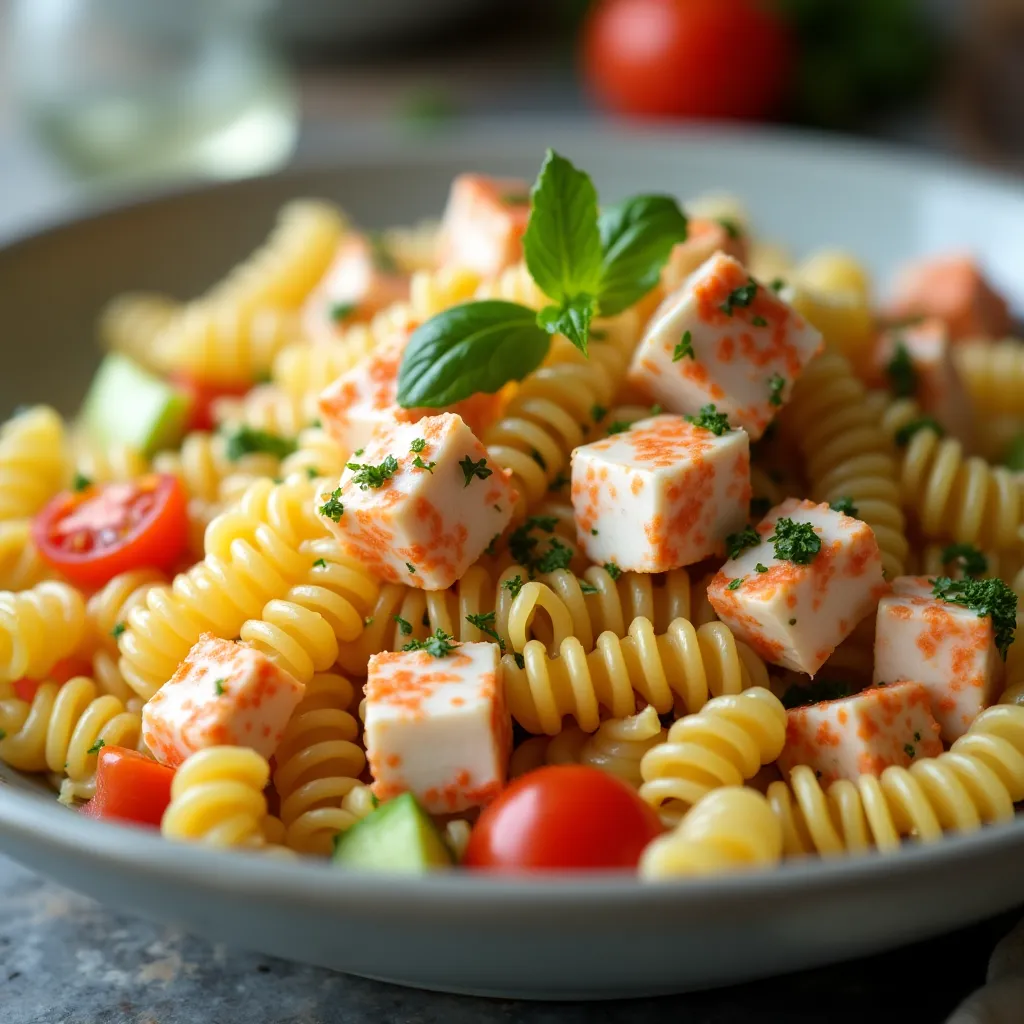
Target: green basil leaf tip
572,319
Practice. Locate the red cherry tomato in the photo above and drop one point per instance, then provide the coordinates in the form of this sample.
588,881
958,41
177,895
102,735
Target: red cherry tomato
201,396
92,535
565,817
688,58
130,787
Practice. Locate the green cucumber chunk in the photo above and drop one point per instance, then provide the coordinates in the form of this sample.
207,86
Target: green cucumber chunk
127,404
399,836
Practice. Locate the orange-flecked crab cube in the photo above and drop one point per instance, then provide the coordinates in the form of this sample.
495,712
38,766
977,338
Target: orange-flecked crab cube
862,734
797,585
366,397
222,693
724,339
945,646
484,222
422,504
660,495
437,726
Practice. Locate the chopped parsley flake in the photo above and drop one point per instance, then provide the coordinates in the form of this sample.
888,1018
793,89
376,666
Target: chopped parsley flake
418,463
418,445
513,586
737,543
795,542
80,483
735,584
119,628
776,284
732,228
373,476
739,298
485,623
245,440
218,687
684,348
320,563
917,737
97,746
492,545
792,622
333,508
613,570
908,430
967,558
816,692
521,542
404,625
909,750
557,556
358,452
711,419
844,505
440,645
991,598
368,621
586,587
598,413
410,567
312,472
901,373
597,334
341,310
619,427
760,567
520,660
758,321
776,384
655,410
593,532
471,469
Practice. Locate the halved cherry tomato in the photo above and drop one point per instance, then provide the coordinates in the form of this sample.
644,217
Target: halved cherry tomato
688,58
65,669
565,817
92,535
201,396
130,787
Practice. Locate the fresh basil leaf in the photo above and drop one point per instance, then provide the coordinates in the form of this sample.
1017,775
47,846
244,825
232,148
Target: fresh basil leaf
636,238
478,346
562,245
572,319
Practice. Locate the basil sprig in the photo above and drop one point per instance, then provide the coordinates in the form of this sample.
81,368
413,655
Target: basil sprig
587,263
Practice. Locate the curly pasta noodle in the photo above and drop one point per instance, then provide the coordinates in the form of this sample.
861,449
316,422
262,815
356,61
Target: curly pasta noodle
62,729
34,461
303,370
131,322
976,782
38,628
318,766
317,455
993,372
101,463
950,496
252,557
725,743
847,453
202,465
217,799
413,248
431,292
20,564
266,408
683,664
730,829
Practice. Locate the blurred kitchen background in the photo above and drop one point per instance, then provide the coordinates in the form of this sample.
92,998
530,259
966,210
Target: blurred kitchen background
113,96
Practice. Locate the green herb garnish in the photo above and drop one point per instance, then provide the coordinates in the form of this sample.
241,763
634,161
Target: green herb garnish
320,563
418,463
795,542
737,543
760,567
373,476
598,413
557,556
418,445
684,348
218,687
816,692
80,483
97,746
245,440
990,598
908,430
485,623
735,584
901,373
404,625
513,586
739,298
119,628
471,469
967,557
844,505
618,427
711,419
440,645
333,508
340,311
776,384
613,570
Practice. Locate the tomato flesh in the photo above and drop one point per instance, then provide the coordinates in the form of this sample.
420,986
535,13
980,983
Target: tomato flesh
559,818
92,535
130,787
202,396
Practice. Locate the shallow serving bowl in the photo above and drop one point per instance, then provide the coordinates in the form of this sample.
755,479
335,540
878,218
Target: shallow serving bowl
547,937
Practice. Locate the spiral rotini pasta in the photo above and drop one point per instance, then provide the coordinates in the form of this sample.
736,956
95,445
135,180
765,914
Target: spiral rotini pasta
318,767
317,455
100,463
729,829
993,372
20,564
34,461
848,454
131,323
976,782
38,627
683,664
723,744
202,464
217,799
950,496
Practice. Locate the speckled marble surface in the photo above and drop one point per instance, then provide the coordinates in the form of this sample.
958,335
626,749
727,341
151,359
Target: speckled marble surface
66,960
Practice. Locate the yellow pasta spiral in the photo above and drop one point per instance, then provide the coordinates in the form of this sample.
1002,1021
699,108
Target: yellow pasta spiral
20,564
62,730
34,461
318,767
252,557
993,372
266,408
38,627
131,322
729,829
101,463
513,284
847,453
317,455
683,664
433,291
725,743
202,464
217,798
413,248
302,370
950,496
977,781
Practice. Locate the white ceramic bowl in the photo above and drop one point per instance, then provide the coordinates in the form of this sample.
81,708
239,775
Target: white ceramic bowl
575,937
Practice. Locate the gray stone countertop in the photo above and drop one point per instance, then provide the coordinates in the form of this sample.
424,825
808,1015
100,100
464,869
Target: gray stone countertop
66,960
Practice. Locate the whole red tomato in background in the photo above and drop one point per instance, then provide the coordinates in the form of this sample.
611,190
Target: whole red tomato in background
688,58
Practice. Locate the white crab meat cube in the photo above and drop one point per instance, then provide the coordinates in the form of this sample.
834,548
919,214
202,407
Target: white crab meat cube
948,648
796,614
723,339
922,356
438,727
223,693
862,734
660,495
361,280
429,518
366,397
484,221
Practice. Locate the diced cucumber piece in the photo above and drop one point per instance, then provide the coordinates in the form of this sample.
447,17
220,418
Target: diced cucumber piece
399,836
127,404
